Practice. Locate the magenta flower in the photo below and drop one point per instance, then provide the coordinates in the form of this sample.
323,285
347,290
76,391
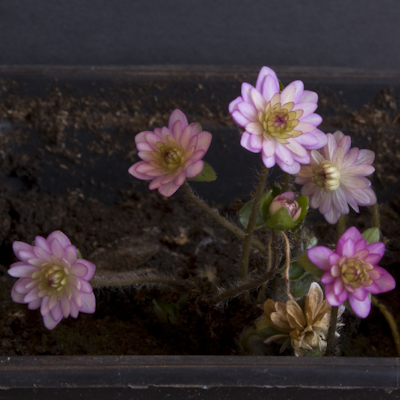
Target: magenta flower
280,124
336,178
52,278
170,155
351,271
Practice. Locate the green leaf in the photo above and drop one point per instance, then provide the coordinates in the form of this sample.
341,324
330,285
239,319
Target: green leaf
281,87
300,287
281,220
207,175
276,190
296,271
198,125
371,235
302,201
265,202
305,262
79,253
244,215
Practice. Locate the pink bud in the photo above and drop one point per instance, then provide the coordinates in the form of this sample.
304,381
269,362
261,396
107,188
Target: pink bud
288,201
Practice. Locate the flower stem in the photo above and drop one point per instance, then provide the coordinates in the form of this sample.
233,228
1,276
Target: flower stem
390,320
130,279
376,217
261,291
340,228
244,260
287,279
223,221
285,181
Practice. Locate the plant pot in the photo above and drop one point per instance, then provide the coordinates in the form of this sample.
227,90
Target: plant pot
45,110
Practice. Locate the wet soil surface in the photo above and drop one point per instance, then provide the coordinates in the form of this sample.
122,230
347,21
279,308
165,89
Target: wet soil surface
64,155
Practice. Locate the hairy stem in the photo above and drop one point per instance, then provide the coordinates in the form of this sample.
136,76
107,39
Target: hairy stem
285,181
244,260
390,320
376,216
223,221
341,226
287,279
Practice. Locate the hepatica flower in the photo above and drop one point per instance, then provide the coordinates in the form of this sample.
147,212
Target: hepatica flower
170,155
351,271
52,278
336,178
281,125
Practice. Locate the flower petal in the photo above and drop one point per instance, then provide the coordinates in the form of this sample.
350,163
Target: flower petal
194,170
292,92
327,278
246,142
177,115
319,256
233,105
168,189
88,303
331,298
361,308
270,87
351,233
62,239
49,321
264,72
240,119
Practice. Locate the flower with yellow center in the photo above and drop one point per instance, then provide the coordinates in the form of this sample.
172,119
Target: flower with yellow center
305,328
281,125
52,278
351,271
170,155
336,178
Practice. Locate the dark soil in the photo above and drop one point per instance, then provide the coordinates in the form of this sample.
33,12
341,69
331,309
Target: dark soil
64,153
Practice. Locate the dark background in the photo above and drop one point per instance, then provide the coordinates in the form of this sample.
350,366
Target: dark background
357,34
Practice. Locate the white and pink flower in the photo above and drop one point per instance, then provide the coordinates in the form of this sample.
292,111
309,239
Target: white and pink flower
351,271
53,278
281,125
336,178
170,155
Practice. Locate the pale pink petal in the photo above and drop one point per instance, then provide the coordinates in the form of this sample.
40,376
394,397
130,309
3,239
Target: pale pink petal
326,203
344,143
348,248
56,312
25,255
342,297
157,182
359,170
332,216
233,105
350,158
270,87
361,308
62,239
330,149
41,254
186,136
384,284
365,157
338,287
264,72
49,321
18,246
319,194
351,233
35,304
256,142
313,119
327,278
177,115
248,111
301,160
371,195
32,295
258,100
292,92
331,298
307,108
284,154
321,137
19,286
246,92
240,119
377,248
74,311
245,141
133,171
309,96
255,128
195,169
180,179
307,140
204,141
197,155
57,249
269,147
360,245
296,148
305,127
350,199
360,294
290,169
79,270
85,286
269,162
361,197
44,308
168,189
176,130
42,243
339,201
88,303
319,256
91,268
22,271
65,306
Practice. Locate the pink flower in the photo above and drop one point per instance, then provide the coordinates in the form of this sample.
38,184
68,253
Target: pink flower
351,272
335,178
170,155
280,124
52,278
288,201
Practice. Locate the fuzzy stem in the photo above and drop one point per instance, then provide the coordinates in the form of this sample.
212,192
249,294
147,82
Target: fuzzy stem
390,320
340,228
110,281
261,291
223,221
286,178
244,260
287,279
376,217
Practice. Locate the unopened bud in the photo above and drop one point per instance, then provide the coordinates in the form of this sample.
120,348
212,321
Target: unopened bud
288,201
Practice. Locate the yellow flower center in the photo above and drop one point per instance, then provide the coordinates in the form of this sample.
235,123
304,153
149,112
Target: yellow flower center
354,273
53,279
279,121
171,155
326,176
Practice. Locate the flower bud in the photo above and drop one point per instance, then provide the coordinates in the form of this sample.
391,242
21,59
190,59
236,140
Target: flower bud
288,201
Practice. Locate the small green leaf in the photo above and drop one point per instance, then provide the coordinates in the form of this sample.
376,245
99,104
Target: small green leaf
244,215
296,271
281,220
265,202
305,262
302,201
371,235
79,254
198,125
207,175
281,87
276,190
300,287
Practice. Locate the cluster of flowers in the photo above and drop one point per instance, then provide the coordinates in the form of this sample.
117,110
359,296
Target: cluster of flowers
282,125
